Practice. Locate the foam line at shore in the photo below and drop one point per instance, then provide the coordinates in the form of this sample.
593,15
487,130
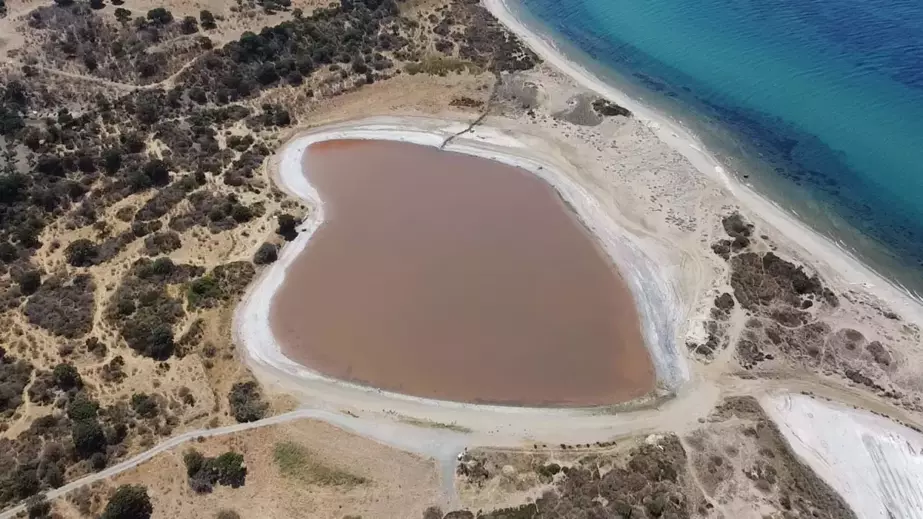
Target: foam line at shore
816,246
654,294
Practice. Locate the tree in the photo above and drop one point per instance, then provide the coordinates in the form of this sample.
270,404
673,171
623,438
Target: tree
189,25
129,502
38,507
30,281
287,225
97,4
82,407
208,20
194,461
160,15
112,159
158,172
66,377
144,405
160,344
229,469
203,472
88,437
81,253
246,402
266,254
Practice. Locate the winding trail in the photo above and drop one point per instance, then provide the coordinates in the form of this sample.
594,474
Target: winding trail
441,445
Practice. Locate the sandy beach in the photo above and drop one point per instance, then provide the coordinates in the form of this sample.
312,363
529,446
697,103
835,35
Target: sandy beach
826,254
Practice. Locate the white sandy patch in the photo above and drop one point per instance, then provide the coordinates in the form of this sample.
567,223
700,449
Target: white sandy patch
820,249
650,285
875,464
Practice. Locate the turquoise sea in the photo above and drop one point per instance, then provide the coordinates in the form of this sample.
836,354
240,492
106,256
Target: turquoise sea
818,102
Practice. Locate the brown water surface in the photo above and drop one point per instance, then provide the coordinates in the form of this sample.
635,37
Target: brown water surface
454,277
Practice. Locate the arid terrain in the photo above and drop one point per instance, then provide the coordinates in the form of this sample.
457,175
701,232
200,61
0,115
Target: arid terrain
140,205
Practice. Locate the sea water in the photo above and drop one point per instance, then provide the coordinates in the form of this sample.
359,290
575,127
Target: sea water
816,103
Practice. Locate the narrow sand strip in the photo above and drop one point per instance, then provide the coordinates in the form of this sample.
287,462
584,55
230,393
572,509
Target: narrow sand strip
823,251
654,294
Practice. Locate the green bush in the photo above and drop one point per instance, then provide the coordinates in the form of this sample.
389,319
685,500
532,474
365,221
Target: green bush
81,407
203,472
129,502
81,253
266,254
144,405
66,377
88,437
246,402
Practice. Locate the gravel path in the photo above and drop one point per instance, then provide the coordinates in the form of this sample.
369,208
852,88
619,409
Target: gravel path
441,445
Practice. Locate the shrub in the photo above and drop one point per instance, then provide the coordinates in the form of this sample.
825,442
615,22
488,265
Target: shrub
207,19
129,502
88,437
66,377
230,469
81,253
160,16
202,291
81,407
63,306
144,405
14,377
162,243
246,402
287,224
37,507
30,281
266,254
189,25
203,473
227,514
194,461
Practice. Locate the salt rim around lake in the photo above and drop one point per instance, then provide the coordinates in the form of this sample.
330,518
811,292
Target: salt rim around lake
833,255
651,287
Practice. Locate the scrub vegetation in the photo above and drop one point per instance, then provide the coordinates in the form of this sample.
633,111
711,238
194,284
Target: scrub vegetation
133,203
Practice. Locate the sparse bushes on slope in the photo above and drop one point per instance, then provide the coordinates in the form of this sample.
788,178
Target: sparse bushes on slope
14,377
63,306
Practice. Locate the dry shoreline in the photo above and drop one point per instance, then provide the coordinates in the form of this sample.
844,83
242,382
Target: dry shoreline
824,253
655,297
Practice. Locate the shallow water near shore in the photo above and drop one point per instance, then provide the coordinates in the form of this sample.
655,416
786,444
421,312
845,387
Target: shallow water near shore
449,276
818,104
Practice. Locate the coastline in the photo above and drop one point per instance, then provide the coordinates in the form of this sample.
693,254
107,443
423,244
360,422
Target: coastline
655,297
838,261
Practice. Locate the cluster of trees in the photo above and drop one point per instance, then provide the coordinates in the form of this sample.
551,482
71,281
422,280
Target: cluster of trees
144,311
76,34
204,473
63,306
350,34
